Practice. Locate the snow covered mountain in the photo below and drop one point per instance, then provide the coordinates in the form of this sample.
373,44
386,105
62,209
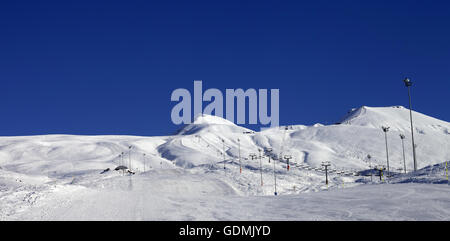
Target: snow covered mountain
41,171
396,117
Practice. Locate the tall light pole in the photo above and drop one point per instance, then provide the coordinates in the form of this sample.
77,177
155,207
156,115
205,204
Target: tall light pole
223,153
129,156
370,167
121,163
269,152
260,166
385,130
402,137
144,161
280,157
240,165
408,84
275,178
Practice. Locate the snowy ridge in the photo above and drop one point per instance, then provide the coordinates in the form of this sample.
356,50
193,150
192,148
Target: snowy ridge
206,123
396,117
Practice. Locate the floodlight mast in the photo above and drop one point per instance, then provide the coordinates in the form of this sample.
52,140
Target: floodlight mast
223,153
240,164
269,151
260,166
144,161
280,156
385,130
129,155
402,137
275,178
370,167
408,84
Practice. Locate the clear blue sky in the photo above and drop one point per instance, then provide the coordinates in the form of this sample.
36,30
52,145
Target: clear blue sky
89,67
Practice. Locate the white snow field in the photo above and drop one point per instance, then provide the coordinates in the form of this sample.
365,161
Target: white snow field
65,177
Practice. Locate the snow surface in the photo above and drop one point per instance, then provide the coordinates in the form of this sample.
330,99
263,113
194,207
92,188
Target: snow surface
58,177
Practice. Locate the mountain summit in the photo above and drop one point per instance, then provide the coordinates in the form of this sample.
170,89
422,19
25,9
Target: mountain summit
396,117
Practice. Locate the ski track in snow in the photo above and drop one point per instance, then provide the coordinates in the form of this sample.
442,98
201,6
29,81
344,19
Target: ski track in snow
183,195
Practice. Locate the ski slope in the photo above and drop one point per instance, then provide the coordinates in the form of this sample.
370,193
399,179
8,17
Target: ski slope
65,177
178,195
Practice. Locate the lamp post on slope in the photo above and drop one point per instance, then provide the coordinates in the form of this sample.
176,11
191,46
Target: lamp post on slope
408,84
260,166
223,153
402,137
369,157
129,156
240,164
268,152
385,130
144,160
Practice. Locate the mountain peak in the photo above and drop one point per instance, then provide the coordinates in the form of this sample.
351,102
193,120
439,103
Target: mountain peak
202,119
208,122
397,117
